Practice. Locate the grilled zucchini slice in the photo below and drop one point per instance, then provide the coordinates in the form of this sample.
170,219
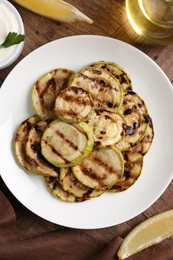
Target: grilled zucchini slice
117,71
101,169
20,140
136,116
33,150
132,171
107,127
46,89
103,87
56,189
64,144
142,146
73,105
71,184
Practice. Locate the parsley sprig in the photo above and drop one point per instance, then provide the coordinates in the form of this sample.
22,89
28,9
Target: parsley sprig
12,39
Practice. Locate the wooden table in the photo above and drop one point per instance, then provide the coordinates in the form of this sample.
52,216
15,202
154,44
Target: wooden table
109,20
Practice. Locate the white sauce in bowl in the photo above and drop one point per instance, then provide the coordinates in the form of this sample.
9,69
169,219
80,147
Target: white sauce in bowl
10,21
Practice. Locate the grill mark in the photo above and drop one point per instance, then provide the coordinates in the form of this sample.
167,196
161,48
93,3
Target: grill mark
54,185
68,113
65,80
87,194
124,79
40,127
40,159
41,95
80,130
97,82
128,129
102,164
33,163
71,144
51,82
89,172
100,102
93,175
27,125
111,118
58,153
127,111
127,174
78,100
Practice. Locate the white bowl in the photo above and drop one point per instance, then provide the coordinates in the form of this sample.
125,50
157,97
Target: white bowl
14,51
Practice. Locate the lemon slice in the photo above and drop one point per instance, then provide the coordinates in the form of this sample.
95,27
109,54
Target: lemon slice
55,9
147,233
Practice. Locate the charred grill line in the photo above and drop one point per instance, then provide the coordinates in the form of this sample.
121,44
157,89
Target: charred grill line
71,144
66,79
65,113
75,147
93,175
57,153
123,79
102,164
97,82
80,131
49,83
88,171
78,100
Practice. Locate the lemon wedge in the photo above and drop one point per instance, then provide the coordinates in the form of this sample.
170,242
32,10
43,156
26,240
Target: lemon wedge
55,9
149,232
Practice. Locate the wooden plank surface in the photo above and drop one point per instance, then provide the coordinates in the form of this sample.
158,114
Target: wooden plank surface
109,20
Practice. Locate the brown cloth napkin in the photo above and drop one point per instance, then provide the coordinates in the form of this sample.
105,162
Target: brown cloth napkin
63,244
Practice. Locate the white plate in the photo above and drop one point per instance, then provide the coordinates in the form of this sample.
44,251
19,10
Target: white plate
149,82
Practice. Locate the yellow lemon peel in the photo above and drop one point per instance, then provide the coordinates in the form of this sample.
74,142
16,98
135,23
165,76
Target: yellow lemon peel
55,9
147,233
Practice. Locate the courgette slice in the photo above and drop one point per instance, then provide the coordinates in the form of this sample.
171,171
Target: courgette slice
132,171
101,169
104,89
33,150
117,71
136,116
73,105
20,140
107,127
142,147
64,144
46,89
57,190
71,184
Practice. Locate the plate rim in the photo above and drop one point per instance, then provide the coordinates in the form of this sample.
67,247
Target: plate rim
79,37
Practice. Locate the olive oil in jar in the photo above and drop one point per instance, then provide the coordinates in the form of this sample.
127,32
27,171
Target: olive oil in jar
152,19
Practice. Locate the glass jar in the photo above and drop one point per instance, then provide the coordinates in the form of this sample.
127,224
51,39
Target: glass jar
152,19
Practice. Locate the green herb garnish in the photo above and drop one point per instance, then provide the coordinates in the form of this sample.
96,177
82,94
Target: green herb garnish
12,39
